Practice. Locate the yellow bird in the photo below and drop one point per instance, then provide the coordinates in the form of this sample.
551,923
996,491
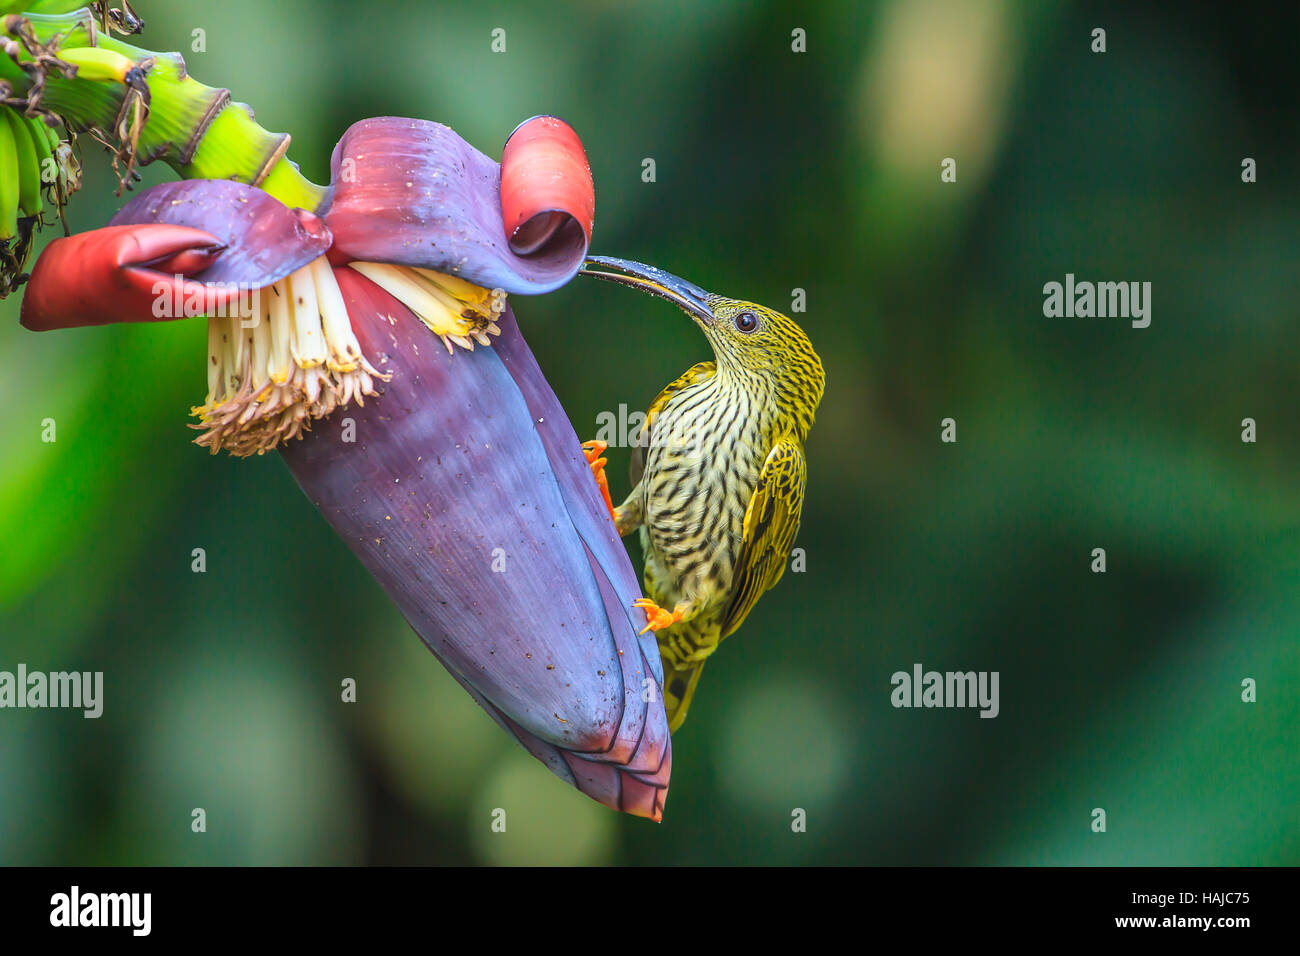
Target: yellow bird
718,472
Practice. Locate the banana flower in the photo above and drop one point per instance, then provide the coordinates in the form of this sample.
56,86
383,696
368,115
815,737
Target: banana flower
371,343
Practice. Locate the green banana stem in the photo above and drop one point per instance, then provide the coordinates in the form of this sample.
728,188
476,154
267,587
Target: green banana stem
146,107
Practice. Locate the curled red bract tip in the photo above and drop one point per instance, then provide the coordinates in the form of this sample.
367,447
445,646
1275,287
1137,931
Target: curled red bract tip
545,184
116,274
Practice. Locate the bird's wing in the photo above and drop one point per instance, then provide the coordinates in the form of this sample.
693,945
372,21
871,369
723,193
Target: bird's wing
697,372
771,522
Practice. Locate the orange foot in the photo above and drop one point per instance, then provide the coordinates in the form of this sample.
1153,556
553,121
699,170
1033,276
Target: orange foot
593,450
657,618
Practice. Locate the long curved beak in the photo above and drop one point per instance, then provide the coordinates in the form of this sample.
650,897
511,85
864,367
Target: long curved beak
687,296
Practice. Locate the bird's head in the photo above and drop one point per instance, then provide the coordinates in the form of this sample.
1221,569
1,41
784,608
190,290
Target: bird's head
749,340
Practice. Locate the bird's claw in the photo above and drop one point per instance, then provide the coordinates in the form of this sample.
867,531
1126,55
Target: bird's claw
592,451
656,617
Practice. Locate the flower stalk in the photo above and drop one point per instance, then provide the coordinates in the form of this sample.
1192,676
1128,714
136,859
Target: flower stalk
143,105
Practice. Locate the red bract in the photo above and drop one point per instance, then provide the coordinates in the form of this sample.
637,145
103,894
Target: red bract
154,249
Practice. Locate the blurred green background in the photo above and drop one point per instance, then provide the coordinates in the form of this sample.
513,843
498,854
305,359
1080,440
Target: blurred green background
775,170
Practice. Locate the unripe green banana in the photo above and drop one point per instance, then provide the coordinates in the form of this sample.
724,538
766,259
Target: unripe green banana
8,181
46,165
29,169
67,169
49,7
97,63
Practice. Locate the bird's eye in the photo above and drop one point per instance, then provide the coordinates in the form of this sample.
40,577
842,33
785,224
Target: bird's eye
746,321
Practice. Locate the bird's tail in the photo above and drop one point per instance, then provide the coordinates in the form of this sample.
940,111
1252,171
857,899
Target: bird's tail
679,690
